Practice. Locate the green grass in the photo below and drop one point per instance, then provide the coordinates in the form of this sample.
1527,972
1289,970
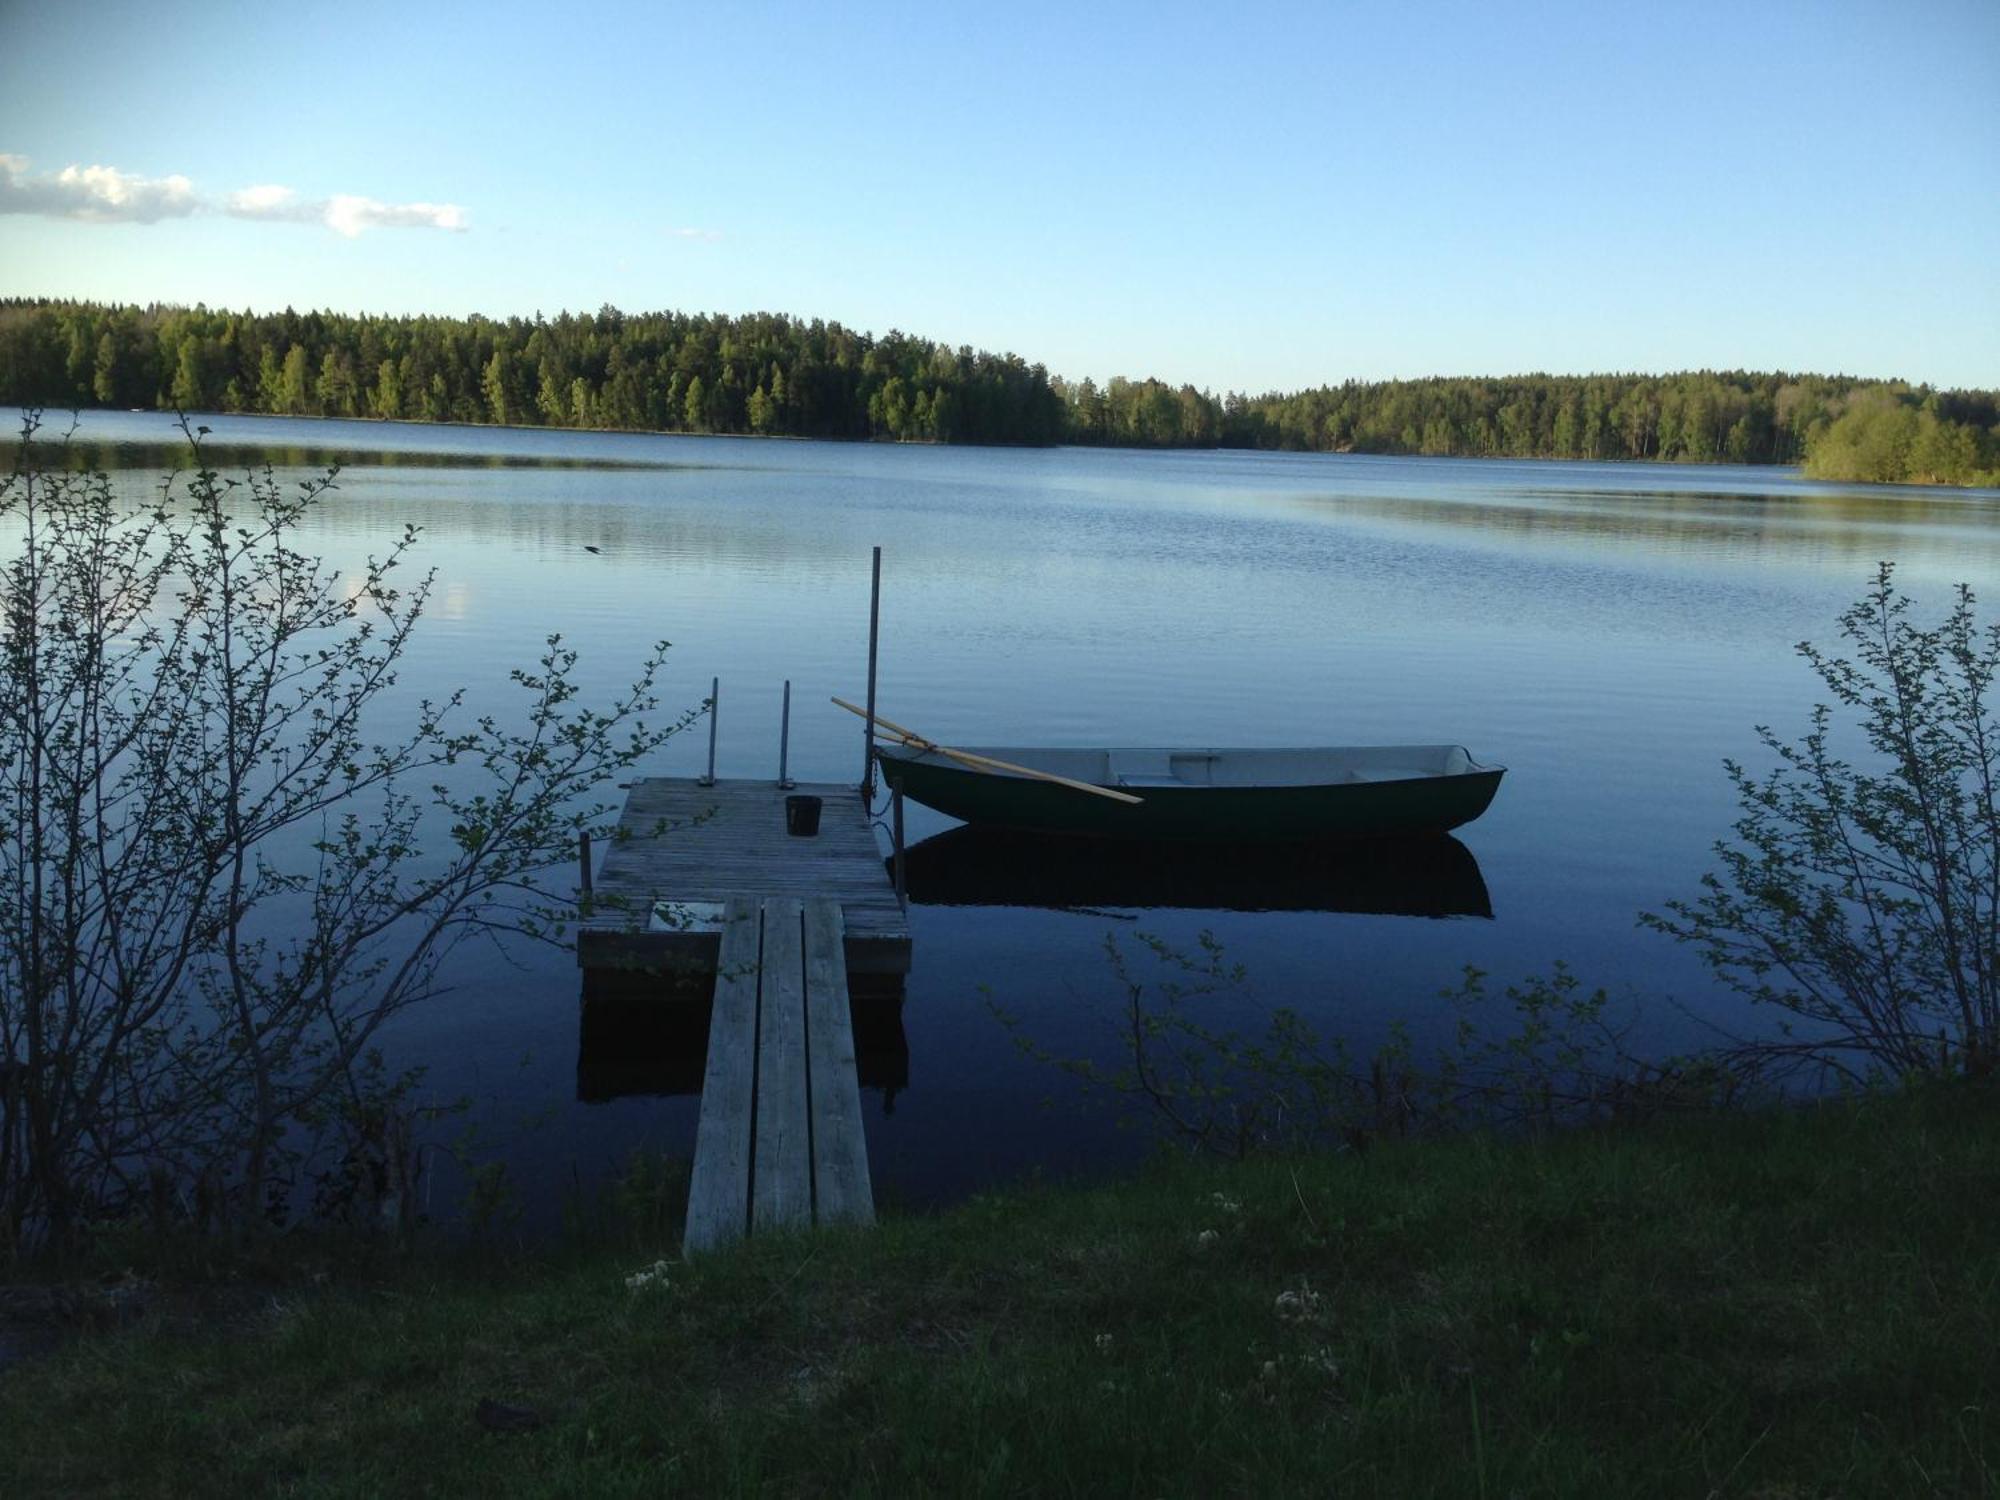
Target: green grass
1803,1304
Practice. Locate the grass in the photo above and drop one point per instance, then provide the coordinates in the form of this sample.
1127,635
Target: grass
1800,1304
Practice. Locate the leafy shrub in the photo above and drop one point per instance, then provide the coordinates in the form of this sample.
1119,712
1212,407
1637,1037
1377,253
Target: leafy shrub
1864,898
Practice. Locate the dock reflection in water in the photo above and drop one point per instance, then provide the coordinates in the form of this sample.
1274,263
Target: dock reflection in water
1421,877
647,1034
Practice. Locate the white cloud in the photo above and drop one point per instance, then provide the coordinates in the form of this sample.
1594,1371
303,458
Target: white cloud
268,202
350,215
106,195
345,213
102,195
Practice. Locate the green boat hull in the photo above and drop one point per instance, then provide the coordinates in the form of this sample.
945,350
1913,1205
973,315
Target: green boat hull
1417,805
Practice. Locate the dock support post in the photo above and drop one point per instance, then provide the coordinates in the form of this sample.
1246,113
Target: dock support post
785,782
583,869
868,726
714,707
896,821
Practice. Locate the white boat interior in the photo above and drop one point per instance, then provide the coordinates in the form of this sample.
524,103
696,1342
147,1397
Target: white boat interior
1140,768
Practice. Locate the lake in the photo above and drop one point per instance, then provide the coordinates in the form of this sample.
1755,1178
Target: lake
1608,632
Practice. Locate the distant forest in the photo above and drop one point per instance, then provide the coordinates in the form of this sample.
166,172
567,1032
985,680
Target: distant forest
784,376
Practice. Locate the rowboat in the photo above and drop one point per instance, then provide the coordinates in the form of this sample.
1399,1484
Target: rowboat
1251,796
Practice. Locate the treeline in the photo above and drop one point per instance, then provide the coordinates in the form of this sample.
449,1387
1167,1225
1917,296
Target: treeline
1889,436
1698,417
765,373
670,372
1838,426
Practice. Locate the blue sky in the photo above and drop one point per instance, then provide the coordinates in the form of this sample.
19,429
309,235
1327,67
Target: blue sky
1245,197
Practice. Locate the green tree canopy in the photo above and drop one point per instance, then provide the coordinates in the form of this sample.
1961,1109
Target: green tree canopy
768,373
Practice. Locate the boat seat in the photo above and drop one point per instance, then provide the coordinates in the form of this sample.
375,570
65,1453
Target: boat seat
1382,773
1141,770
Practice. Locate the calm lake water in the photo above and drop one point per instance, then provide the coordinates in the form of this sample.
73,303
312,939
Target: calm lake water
1607,632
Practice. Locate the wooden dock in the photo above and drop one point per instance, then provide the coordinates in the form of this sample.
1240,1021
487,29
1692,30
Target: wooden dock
780,1142
726,841
705,879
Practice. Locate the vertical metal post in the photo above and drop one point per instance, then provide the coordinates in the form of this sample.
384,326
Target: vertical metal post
868,728
896,820
785,782
714,707
583,866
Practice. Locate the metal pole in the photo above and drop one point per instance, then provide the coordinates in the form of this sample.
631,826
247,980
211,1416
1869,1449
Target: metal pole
583,864
785,782
714,702
868,728
896,818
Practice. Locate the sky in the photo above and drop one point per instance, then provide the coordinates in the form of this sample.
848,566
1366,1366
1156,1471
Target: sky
1244,197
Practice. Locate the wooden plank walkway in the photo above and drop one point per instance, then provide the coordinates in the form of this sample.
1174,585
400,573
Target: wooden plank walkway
727,841
780,1141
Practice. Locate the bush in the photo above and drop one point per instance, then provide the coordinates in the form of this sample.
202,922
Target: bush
1865,899
219,884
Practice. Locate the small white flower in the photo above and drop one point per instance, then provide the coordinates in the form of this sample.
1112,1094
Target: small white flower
1300,1306
1206,1238
654,1275
1226,1203
1103,1342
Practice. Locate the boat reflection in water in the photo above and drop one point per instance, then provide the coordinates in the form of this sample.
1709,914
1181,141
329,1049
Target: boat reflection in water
1433,876
647,1034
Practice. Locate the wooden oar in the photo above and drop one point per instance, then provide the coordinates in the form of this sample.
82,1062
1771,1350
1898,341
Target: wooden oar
986,762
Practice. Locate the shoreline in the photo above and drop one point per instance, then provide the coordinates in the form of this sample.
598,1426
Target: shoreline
889,442
1728,1303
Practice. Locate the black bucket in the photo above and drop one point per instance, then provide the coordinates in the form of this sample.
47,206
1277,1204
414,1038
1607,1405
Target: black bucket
802,816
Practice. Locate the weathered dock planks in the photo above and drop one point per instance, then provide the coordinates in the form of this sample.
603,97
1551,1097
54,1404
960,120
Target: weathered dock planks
780,1141
781,922
841,1190
781,1161
719,1185
695,848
